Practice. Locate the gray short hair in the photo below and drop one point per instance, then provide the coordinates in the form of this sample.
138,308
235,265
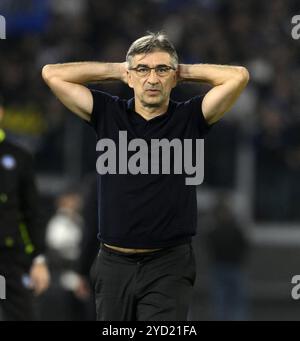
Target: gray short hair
151,43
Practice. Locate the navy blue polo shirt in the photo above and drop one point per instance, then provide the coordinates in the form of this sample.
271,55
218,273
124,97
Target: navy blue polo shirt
146,210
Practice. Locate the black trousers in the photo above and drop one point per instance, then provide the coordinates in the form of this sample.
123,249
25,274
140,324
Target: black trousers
154,286
18,305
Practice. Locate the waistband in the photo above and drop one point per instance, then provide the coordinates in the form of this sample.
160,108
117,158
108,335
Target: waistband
140,255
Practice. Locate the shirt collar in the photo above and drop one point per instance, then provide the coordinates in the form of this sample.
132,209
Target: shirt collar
136,116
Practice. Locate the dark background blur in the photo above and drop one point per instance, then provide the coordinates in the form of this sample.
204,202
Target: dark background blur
252,156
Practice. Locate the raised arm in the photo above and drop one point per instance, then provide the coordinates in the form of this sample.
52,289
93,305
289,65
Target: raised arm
228,82
67,81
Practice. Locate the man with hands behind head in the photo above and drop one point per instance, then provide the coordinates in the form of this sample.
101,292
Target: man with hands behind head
146,266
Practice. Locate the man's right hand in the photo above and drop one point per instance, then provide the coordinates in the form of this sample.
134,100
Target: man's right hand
68,82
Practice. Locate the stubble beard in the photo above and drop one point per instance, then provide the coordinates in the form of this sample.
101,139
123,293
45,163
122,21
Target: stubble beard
148,104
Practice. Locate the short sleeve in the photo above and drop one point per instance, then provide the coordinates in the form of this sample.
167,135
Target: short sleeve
101,101
194,107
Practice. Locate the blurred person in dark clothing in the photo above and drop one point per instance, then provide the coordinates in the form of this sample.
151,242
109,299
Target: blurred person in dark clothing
63,238
228,247
89,247
146,266
72,246
21,233
271,148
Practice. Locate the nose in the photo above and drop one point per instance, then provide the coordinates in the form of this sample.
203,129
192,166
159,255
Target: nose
152,78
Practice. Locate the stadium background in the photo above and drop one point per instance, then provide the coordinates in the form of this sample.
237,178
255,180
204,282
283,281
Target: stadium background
252,155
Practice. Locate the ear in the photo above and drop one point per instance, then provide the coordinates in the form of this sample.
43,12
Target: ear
129,79
175,79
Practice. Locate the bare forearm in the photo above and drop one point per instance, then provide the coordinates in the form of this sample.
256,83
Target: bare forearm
68,82
85,72
212,74
227,83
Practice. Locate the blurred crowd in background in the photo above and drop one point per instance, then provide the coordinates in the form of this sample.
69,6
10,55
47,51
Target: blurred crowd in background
256,34
264,124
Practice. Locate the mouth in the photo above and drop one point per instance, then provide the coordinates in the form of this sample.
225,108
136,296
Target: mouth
153,91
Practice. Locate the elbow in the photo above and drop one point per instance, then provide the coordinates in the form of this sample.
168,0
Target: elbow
243,75
47,73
